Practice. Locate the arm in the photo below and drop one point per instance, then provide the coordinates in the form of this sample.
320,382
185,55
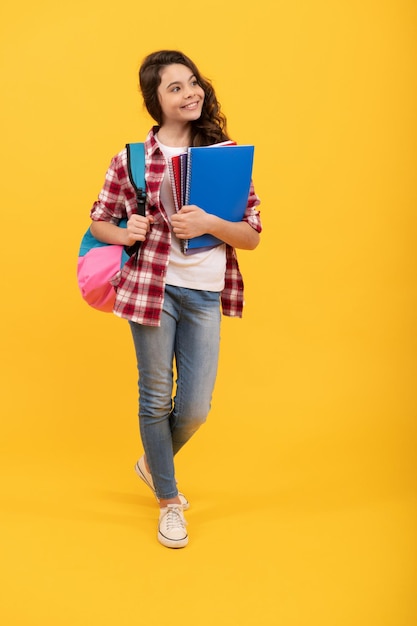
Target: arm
236,234
137,229
191,221
113,204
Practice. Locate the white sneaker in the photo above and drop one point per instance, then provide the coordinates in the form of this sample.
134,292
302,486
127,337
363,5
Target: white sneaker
142,472
171,529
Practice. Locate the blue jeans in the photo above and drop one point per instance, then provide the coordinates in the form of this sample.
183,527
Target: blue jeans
189,336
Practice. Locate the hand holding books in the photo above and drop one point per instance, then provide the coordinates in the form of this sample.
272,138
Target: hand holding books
190,222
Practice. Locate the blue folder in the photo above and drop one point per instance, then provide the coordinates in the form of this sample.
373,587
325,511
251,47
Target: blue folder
218,181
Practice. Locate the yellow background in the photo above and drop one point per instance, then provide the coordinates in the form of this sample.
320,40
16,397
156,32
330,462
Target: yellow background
302,482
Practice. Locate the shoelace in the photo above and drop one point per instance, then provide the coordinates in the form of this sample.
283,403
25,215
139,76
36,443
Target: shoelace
174,518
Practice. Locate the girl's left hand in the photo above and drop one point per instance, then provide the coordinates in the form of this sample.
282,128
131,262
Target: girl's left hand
190,221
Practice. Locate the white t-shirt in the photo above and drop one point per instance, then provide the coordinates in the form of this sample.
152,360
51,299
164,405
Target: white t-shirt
201,270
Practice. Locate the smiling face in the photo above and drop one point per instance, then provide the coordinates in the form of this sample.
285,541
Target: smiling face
180,96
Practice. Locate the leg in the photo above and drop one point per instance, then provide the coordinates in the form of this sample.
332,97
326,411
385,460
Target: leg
196,353
155,352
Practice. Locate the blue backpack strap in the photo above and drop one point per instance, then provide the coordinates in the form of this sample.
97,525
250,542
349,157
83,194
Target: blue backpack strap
136,169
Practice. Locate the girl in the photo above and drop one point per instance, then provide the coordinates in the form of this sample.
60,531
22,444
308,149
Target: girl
172,300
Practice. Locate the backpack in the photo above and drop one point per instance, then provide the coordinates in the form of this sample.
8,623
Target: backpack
99,262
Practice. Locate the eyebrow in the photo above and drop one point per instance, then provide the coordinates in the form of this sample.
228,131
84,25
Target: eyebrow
178,82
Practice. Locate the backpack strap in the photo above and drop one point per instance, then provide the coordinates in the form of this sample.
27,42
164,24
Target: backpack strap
136,169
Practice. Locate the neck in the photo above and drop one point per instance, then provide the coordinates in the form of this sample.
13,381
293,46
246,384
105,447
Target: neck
175,137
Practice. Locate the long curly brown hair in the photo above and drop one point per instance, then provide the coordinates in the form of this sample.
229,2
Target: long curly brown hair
211,126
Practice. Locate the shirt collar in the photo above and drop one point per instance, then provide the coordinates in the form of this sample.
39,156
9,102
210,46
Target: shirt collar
151,145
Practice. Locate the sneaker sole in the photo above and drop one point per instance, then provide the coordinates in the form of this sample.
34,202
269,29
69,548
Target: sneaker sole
172,543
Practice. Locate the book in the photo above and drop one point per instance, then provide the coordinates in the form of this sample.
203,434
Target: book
174,171
177,169
218,181
183,174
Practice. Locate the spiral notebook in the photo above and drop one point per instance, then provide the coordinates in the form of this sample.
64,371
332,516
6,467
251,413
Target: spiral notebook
174,169
177,168
218,181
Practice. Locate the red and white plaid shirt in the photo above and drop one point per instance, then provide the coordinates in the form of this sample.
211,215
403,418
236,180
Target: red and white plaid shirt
140,284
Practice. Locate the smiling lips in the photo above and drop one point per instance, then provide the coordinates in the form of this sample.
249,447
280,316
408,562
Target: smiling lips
190,106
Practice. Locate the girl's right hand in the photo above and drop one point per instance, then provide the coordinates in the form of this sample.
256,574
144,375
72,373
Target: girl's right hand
138,227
